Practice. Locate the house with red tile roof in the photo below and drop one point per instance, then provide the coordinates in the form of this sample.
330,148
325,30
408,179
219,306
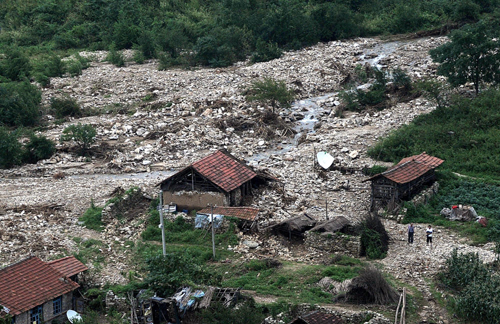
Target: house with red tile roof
219,179
33,291
404,180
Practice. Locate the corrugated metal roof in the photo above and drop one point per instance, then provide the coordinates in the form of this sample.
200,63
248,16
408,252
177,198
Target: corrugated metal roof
246,213
68,266
31,283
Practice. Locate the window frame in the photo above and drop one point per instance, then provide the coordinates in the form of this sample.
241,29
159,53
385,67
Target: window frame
57,303
36,314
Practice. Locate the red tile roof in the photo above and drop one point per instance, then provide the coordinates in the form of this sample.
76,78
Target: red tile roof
320,318
406,172
410,168
68,266
224,170
423,158
31,283
246,213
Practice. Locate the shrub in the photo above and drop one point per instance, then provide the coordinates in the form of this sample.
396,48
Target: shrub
401,79
10,149
114,57
83,135
374,238
167,273
74,67
265,51
38,148
16,65
246,313
65,106
19,104
272,92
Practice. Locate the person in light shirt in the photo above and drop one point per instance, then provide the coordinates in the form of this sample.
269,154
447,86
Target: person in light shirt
428,233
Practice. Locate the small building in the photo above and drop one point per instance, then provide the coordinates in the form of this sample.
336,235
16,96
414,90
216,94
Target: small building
218,179
318,317
404,180
33,291
247,215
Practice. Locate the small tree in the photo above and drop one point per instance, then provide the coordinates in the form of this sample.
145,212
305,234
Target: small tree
433,90
10,149
473,55
270,91
83,135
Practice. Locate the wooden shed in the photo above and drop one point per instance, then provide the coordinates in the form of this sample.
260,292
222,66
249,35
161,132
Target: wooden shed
404,180
219,179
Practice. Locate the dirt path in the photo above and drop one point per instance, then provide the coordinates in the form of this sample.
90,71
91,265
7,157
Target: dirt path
417,264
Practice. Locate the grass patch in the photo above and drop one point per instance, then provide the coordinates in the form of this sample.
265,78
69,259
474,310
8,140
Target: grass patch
90,250
92,218
294,281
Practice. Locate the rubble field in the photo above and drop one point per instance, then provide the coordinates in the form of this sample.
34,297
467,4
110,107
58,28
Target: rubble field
156,122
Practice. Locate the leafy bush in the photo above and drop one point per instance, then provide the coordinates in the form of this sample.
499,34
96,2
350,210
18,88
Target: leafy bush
272,92
16,65
65,106
374,238
114,57
38,148
246,313
74,67
168,273
19,104
370,287
265,51
83,135
10,149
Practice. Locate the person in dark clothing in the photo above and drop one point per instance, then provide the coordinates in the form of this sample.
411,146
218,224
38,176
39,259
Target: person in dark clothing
411,230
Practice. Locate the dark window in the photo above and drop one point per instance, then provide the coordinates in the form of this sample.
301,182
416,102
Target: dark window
57,303
36,315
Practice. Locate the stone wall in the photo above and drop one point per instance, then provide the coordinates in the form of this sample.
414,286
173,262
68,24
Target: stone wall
193,199
425,195
336,243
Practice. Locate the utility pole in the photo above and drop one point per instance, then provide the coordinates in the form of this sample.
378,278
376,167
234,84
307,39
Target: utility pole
213,230
160,208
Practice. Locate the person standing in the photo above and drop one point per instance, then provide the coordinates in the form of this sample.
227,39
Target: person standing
428,233
411,230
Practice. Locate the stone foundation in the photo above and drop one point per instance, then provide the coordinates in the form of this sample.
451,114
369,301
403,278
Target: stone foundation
336,243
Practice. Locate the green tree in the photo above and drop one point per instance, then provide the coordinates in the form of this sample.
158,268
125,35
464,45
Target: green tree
83,135
272,92
16,65
38,148
19,104
10,149
473,55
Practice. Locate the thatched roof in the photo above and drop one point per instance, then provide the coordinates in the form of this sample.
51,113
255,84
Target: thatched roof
333,225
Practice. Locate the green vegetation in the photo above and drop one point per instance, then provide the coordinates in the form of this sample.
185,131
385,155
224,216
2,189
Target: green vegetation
374,238
90,251
464,135
65,106
270,277
218,33
83,135
270,92
475,286
471,56
246,313
12,152
19,104
92,218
